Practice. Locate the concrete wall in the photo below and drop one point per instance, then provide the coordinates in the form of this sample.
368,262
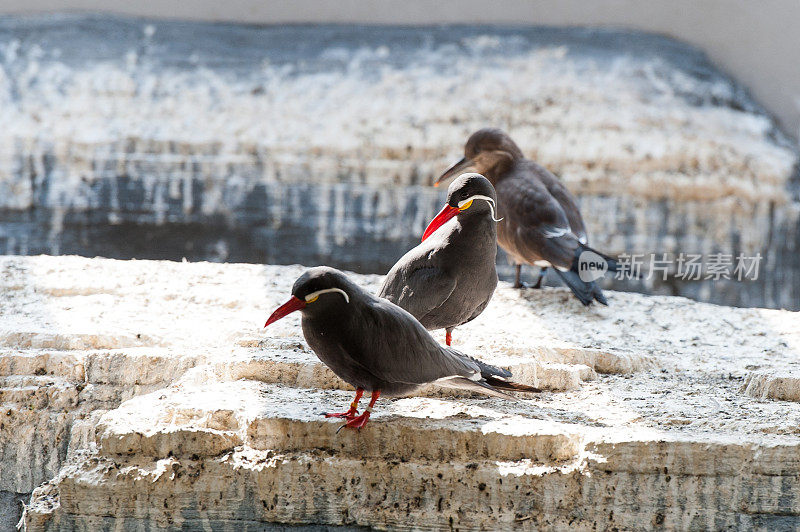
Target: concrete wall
756,42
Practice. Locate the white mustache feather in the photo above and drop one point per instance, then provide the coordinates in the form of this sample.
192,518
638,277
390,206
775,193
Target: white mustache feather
313,295
479,196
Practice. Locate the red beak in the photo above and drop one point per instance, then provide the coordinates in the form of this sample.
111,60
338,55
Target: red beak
445,214
286,309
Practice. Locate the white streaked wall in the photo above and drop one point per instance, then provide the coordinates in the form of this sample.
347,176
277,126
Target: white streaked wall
758,42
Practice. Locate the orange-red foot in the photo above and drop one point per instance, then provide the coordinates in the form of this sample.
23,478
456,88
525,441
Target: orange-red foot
350,414
448,338
358,421
353,411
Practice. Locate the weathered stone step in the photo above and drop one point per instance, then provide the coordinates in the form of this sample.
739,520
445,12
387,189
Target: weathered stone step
41,362
16,381
143,366
39,393
623,485
605,362
69,341
783,385
133,365
207,420
680,456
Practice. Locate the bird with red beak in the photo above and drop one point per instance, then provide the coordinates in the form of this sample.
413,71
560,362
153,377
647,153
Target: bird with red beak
541,223
378,347
450,277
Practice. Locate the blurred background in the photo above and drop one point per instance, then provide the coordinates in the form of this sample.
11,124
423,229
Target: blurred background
309,132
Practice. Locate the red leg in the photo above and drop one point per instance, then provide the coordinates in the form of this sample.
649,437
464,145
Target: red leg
351,413
360,421
448,337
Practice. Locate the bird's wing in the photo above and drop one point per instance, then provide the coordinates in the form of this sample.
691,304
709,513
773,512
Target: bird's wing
539,226
393,346
564,198
416,284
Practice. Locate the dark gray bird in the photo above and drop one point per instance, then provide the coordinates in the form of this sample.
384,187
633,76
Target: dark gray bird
376,346
450,277
541,222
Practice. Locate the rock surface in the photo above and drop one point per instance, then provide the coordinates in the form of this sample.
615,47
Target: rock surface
145,394
314,144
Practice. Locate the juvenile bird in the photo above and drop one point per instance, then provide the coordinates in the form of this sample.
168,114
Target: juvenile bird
376,346
541,223
449,278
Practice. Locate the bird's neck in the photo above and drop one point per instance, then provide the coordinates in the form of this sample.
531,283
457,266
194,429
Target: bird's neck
331,317
479,230
478,221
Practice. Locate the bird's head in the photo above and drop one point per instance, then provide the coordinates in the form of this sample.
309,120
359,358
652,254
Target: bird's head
488,151
318,290
467,195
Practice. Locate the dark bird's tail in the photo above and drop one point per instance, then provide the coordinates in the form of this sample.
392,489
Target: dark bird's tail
587,291
511,386
487,370
498,378
494,381
494,386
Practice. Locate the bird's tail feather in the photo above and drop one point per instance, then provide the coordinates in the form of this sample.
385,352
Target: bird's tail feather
493,380
511,386
463,383
487,370
585,292
492,386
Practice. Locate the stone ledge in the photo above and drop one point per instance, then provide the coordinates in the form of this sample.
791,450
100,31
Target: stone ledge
783,385
287,419
67,342
271,486
30,362
37,393
645,384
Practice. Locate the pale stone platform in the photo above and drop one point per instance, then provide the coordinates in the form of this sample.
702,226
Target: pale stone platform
147,394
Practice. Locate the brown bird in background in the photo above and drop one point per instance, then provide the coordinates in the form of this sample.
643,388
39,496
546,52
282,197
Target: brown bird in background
541,224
